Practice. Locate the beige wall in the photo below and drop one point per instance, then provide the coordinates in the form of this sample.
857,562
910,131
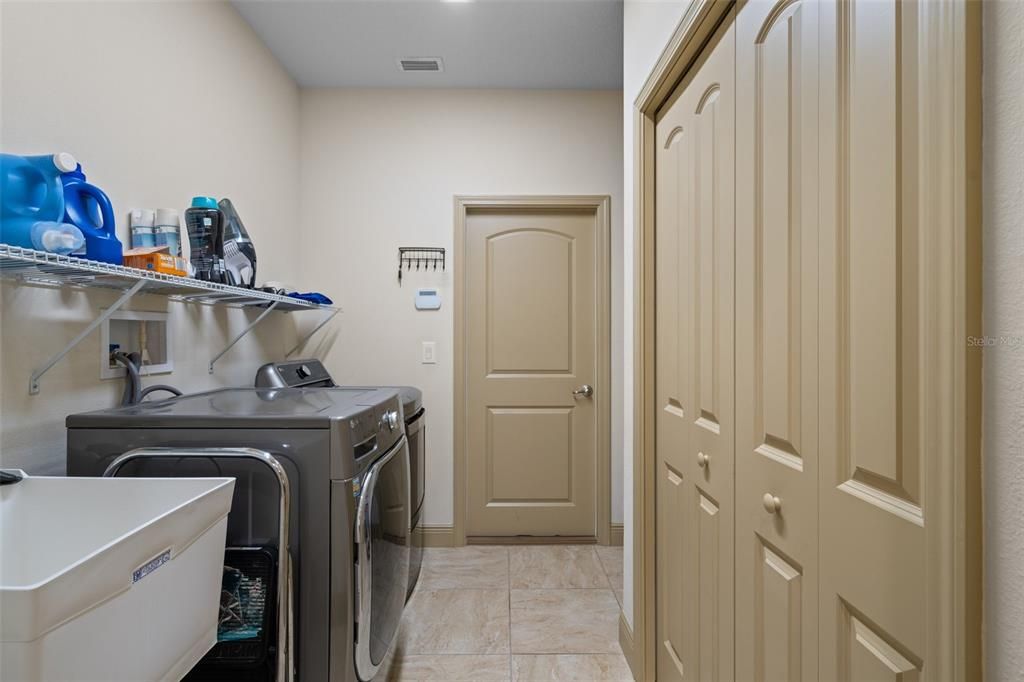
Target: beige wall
647,26
1004,324
159,101
379,170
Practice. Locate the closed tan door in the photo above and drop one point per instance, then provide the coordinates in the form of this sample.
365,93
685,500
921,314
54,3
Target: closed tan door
885,336
533,306
694,376
777,224
856,417
839,316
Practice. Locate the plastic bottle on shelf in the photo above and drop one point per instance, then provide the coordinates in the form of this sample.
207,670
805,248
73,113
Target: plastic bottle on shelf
168,230
32,203
87,207
205,225
142,230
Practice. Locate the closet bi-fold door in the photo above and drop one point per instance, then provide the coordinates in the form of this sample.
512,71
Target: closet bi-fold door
694,376
889,382
849,162
777,461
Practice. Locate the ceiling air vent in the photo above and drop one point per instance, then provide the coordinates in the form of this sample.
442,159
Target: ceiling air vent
418,64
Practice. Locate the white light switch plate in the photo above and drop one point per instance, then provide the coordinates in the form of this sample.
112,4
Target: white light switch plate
429,353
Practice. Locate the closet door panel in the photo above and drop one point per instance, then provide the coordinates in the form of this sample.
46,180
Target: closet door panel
776,341
695,371
710,355
875,358
673,576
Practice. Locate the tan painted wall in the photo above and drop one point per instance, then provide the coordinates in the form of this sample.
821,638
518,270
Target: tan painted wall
159,101
379,170
1003,218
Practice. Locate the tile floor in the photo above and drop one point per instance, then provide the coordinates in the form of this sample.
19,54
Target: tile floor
513,613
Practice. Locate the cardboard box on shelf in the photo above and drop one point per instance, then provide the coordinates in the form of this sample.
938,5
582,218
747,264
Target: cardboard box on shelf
156,259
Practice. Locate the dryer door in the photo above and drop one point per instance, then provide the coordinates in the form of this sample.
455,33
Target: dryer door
383,518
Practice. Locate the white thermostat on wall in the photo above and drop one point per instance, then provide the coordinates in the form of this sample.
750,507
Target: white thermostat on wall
427,299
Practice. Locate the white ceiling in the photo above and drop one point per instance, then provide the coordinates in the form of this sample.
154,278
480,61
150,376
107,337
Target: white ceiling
483,43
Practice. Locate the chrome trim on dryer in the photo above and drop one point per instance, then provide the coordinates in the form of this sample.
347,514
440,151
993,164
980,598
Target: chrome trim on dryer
366,669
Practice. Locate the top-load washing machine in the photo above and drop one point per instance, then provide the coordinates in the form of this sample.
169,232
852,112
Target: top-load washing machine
345,456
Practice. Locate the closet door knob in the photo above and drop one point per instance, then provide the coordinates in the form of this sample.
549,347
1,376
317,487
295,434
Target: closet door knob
772,504
702,460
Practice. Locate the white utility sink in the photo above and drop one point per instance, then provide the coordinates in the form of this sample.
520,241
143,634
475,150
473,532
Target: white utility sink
109,578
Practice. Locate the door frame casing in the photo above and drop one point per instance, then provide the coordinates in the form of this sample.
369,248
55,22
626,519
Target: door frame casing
957,537
601,206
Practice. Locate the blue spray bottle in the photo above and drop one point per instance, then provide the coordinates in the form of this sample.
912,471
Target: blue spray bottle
87,207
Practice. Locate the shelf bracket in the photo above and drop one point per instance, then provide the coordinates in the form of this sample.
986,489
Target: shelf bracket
33,382
315,329
242,334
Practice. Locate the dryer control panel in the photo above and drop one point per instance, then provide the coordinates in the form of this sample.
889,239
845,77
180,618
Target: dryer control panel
296,374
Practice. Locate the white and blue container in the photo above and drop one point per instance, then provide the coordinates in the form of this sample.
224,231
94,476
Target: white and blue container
167,230
142,228
32,205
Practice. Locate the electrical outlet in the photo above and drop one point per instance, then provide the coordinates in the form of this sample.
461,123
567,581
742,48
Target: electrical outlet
429,353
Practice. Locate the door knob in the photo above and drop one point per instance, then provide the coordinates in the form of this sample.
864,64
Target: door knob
586,390
772,504
702,460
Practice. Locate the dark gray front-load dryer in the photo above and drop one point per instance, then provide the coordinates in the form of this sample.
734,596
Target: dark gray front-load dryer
310,373
345,454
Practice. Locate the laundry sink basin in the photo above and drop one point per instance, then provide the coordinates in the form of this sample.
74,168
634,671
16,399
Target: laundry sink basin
109,578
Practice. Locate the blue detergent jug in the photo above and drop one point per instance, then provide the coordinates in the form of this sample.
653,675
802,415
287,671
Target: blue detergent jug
32,203
89,209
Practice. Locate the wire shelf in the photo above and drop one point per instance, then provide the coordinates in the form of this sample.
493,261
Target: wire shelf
48,269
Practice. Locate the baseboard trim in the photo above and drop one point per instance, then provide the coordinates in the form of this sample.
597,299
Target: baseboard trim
438,536
444,536
532,540
626,643
616,536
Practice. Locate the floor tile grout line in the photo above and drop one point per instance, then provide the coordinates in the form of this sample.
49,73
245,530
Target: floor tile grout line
508,571
606,588
604,567
455,653
575,653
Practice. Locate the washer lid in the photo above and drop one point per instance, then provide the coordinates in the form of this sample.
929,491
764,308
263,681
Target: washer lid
230,408
412,397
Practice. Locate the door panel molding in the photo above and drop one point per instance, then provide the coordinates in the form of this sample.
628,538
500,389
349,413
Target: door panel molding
515,357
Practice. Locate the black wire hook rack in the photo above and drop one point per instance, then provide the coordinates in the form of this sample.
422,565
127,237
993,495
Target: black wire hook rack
420,257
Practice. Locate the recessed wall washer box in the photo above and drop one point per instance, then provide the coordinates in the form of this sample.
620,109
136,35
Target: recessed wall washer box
427,299
147,333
